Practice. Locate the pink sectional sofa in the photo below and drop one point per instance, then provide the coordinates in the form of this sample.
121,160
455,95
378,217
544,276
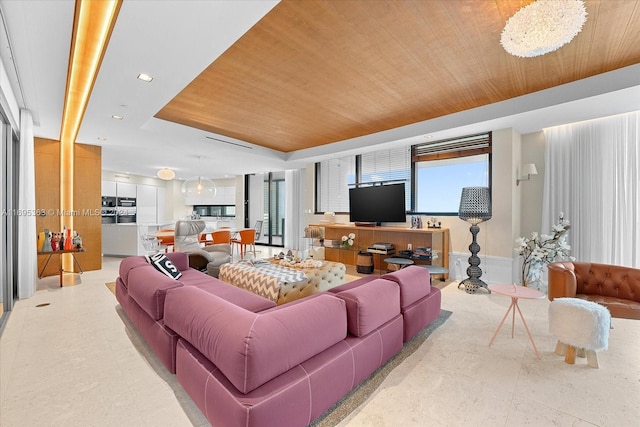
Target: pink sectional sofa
141,291
246,362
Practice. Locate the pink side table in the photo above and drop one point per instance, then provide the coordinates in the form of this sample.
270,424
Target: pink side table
515,292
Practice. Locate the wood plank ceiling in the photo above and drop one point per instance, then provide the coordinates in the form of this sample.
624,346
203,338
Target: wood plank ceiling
314,72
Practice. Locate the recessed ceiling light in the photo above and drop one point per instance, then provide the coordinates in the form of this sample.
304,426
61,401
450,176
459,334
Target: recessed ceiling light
145,77
115,116
102,138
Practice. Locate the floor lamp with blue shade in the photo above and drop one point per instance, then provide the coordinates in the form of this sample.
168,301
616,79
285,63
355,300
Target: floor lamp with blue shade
475,207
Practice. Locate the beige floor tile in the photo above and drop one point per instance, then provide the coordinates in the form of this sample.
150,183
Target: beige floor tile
79,362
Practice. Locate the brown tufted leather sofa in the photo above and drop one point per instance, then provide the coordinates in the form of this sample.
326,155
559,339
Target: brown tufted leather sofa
616,287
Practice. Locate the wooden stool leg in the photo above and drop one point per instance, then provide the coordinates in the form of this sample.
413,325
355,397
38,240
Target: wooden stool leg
592,359
581,352
570,357
561,348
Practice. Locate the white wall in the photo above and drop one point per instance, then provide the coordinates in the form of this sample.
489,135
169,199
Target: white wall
533,151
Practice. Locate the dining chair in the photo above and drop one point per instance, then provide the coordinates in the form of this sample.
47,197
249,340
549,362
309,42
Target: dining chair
246,237
166,238
258,228
205,239
150,242
221,235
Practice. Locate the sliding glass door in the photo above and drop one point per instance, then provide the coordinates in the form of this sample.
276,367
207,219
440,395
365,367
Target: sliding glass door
8,202
266,203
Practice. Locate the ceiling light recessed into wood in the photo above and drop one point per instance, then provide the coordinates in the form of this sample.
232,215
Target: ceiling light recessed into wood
145,77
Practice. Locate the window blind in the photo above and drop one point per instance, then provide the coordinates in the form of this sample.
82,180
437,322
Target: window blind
333,177
455,147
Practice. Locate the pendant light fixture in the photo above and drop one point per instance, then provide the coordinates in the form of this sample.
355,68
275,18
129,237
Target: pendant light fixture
198,186
542,27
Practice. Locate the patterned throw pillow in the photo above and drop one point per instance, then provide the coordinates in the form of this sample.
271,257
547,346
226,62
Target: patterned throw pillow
163,265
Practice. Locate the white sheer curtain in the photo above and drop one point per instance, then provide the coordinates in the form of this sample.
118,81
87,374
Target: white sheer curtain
28,261
294,209
591,175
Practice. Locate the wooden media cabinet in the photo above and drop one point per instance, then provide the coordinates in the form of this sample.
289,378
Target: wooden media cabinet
435,238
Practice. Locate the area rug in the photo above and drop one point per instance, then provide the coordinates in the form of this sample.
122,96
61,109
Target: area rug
361,393
111,286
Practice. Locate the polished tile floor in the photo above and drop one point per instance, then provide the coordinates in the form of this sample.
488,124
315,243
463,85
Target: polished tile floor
77,362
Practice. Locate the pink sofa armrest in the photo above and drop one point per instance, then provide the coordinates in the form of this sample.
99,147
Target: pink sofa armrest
148,287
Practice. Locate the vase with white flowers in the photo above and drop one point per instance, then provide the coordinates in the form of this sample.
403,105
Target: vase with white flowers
347,241
540,250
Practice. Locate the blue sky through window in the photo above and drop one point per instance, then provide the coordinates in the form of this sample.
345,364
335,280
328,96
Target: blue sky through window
439,184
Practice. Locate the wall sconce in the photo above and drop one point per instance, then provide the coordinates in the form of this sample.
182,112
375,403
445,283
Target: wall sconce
528,169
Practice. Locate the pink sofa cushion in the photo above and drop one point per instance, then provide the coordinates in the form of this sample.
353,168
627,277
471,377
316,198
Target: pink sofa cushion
179,259
414,282
370,305
238,296
250,349
148,287
353,284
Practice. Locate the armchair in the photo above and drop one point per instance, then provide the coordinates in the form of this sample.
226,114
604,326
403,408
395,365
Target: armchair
208,258
614,286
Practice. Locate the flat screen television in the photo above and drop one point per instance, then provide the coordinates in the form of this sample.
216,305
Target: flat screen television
378,203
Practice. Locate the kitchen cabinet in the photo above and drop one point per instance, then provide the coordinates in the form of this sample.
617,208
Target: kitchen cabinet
147,204
120,239
108,189
223,196
124,189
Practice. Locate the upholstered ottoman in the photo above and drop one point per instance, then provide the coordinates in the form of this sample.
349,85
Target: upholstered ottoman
321,276
579,324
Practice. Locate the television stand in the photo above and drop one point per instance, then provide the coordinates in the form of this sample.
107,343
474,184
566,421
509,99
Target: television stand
366,224
400,237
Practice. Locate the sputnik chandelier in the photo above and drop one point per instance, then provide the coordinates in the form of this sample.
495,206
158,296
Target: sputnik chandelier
542,27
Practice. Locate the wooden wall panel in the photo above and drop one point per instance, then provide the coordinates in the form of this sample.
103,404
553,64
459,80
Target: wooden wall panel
47,180
87,187
87,203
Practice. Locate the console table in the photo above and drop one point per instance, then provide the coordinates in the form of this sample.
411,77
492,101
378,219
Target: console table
59,253
435,238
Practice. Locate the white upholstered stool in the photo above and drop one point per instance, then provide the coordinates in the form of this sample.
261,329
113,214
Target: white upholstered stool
581,325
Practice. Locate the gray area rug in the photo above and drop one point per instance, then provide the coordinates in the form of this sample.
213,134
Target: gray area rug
361,393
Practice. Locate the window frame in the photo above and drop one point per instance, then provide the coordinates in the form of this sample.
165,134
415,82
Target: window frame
452,148
459,147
